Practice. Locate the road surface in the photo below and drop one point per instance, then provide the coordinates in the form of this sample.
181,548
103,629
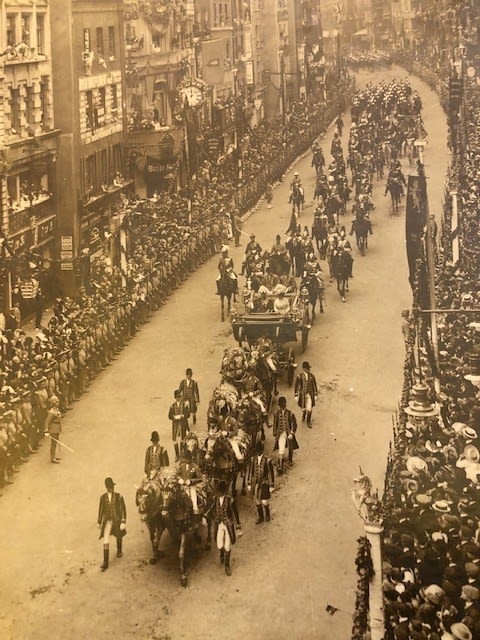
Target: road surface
284,572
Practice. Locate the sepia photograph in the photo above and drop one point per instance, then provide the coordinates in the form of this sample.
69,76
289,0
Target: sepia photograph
240,319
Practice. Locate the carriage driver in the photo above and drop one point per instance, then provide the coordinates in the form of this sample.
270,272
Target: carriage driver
225,268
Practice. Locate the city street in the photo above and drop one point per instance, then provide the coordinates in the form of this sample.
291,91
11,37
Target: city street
284,572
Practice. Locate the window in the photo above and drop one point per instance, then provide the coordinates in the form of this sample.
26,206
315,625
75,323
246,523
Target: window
117,158
86,40
15,110
90,172
111,41
220,14
29,105
26,28
44,102
89,110
215,23
226,14
114,99
159,40
104,167
101,107
100,41
40,33
11,27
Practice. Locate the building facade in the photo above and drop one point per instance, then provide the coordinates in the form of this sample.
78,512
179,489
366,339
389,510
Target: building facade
28,141
89,66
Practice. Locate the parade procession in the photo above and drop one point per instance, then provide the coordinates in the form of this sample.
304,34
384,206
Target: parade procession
240,320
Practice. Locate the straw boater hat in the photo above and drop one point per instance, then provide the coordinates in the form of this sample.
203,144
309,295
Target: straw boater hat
415,464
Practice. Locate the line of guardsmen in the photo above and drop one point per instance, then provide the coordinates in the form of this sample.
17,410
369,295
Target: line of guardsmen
84,335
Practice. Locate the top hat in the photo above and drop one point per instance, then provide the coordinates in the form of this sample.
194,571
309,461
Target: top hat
109,483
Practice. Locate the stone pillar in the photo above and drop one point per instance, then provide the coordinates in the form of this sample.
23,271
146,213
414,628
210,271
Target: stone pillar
454,228
374,532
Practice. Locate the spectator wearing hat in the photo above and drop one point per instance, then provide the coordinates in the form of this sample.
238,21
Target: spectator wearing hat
284,429
306,392
188,387
156,456
179,414
224,516
53,428
112,516
261,482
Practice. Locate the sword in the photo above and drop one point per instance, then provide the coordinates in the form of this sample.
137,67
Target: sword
60,443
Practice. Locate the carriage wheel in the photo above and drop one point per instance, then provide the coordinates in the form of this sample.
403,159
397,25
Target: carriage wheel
304,338
290,367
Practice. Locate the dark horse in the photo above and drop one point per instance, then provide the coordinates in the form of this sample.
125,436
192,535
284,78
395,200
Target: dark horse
395,187
164,504
227,287
316,292
320,234
342,265
362,227
297,198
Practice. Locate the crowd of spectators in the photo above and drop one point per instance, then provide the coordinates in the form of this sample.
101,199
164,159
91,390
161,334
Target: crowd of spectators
160,241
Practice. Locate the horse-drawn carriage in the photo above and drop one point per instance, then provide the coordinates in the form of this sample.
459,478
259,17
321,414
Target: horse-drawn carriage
251,327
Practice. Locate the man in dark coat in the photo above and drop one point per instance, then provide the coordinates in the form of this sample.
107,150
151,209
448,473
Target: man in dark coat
284,428
306,392
188,387
112,516
224,524
156,456
261,482
179,414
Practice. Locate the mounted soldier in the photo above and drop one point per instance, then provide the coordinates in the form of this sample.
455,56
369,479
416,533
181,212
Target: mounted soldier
226,270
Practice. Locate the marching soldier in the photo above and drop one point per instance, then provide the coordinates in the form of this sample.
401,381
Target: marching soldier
112,516
179,414
53,428
284,428
306,392
190,394
156,456
261,482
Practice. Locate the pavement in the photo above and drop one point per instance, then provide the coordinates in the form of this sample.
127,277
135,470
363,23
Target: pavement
284,572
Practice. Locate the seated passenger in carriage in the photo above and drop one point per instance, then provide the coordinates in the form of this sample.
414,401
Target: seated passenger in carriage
289,283
270,280
281,304
261,301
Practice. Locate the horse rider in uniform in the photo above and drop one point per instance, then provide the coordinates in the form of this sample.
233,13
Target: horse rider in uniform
284,428
306,392
296,181
189,390
261,482
252,246
156,456
112,516
179,414
225,268
224,516
191,475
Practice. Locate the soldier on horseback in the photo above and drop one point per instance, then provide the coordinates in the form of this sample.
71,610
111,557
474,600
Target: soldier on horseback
225,268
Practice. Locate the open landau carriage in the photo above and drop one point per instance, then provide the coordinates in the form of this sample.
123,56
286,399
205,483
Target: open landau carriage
250,327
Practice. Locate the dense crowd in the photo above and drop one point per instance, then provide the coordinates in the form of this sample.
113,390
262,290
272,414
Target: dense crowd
165,238
432,522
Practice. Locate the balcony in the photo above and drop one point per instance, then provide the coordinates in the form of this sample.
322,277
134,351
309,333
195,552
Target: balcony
21,218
